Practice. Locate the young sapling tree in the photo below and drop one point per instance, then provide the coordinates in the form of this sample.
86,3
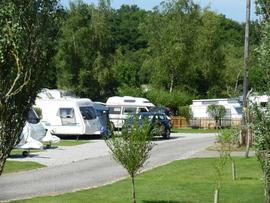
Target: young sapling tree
131,147
217,112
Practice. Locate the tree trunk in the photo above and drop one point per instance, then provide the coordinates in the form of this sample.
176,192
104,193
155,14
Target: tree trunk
243,136
248,144
133,189
171,84
2,163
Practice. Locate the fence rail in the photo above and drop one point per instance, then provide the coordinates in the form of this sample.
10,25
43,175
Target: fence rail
181,122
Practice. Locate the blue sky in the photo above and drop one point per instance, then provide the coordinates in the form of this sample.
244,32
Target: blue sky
234,9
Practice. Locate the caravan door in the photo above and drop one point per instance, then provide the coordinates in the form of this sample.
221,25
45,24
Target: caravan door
91,121
70,122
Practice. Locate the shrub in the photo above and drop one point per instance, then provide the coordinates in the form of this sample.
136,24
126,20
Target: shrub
185,111
172,100
216,112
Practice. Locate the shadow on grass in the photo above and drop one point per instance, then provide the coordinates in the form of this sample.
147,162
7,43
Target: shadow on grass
247,178
80,137
163,201
163,139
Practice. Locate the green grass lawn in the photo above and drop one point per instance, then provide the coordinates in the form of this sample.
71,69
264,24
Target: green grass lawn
17,152
16,166
191,130
70,142
217,147
186,181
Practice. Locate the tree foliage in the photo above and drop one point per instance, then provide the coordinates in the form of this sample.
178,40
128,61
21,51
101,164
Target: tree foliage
26,38
261,70
261,131
177,46
85,50
263,9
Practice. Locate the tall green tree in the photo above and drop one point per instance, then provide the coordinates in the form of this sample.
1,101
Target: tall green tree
210,63
85,50
260,70
263,58
171,30
263,9
26,39
130,45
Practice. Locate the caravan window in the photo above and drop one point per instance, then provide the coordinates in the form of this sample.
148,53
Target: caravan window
114,110
129,110
238,110
67,116
88,112
263,104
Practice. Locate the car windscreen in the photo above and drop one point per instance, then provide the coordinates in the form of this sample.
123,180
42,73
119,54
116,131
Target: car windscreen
161,117
88,112
129,110
114,110
32,117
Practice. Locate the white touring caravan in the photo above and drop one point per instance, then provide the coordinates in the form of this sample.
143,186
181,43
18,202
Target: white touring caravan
261,100
70,116
55,94
233,107
121,107
200,117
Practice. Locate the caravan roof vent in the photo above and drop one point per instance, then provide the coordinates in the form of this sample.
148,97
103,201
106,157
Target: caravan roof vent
130,100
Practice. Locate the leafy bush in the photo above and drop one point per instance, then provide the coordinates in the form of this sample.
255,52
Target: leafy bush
130,91
172,100
185,111
216,112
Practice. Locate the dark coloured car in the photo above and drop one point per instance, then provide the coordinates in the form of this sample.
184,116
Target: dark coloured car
159,123
165,110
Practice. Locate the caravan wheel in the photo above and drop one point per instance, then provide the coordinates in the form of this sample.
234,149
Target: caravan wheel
25,153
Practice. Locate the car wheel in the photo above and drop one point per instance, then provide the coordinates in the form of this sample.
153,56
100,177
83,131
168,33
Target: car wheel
112,127
167,134
25,153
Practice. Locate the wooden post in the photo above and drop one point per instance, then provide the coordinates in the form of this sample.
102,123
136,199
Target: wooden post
216,197
233,171
244,133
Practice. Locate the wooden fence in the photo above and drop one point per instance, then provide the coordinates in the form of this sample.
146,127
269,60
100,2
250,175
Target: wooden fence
181,122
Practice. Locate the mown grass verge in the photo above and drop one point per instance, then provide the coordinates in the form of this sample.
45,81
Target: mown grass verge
70,142
191,130
17,166
185,181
